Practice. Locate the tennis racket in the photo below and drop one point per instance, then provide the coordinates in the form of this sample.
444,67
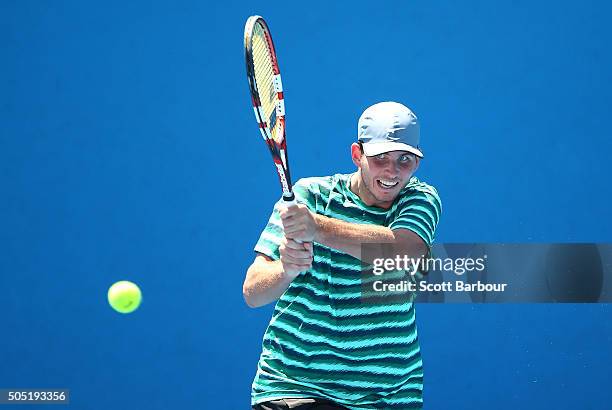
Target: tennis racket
267,97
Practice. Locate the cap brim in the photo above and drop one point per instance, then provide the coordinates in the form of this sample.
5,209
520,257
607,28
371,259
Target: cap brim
376,148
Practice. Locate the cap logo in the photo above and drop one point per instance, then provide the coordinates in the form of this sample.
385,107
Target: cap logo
391,132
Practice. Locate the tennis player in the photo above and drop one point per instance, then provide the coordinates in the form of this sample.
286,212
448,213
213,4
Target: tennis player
324,348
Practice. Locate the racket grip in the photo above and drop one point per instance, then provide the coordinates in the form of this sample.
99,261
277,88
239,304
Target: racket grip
290,203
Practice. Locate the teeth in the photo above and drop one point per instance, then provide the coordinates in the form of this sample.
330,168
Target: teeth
387,184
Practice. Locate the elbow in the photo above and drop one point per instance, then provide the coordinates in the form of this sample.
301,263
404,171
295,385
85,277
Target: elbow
253,289
249,297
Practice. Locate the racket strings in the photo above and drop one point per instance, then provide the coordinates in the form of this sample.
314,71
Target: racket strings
264,77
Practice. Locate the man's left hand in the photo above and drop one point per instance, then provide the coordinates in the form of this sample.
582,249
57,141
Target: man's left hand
299,223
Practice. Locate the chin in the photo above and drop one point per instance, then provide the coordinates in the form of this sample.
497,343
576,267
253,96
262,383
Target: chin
386,194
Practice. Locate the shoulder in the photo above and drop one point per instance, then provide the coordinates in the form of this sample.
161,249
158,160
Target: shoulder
416,186
417,189
318,184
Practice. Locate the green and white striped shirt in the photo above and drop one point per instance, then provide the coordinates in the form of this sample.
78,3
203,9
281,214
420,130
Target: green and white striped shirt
323,340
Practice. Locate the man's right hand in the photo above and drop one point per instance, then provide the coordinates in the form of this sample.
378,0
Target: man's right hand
295,257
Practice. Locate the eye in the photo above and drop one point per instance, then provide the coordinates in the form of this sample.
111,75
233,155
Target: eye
381,156
406,158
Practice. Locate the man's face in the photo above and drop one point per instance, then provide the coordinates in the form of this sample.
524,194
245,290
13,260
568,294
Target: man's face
383,176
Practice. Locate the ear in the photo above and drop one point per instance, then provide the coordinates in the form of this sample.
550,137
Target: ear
356,154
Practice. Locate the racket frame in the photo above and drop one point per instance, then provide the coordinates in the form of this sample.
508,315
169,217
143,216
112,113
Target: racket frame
278,147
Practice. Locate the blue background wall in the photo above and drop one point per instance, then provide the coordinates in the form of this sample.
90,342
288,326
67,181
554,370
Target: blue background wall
126,132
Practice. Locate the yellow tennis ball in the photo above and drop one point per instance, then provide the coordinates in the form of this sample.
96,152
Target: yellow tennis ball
124,296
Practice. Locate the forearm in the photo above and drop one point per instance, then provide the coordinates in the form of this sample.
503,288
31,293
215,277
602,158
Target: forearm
349,237
265,282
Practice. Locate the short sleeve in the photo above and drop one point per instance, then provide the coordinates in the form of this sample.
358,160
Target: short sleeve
272,235
419,211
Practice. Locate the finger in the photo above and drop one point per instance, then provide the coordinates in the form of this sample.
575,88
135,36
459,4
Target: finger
287,214
294,212
296,233
307,246
301,263
283,244
296,268
296,256
292,244
288,222
303,246
294,230
286,259
302,266
287,211
298,237
300,255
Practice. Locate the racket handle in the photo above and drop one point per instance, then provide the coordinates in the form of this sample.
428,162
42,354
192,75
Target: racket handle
291,202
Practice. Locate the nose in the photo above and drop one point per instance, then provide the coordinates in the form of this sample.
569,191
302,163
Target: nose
393,168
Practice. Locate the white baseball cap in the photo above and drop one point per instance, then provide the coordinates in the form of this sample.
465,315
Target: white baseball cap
389,126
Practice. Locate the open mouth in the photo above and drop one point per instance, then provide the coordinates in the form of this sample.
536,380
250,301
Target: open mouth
386,184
